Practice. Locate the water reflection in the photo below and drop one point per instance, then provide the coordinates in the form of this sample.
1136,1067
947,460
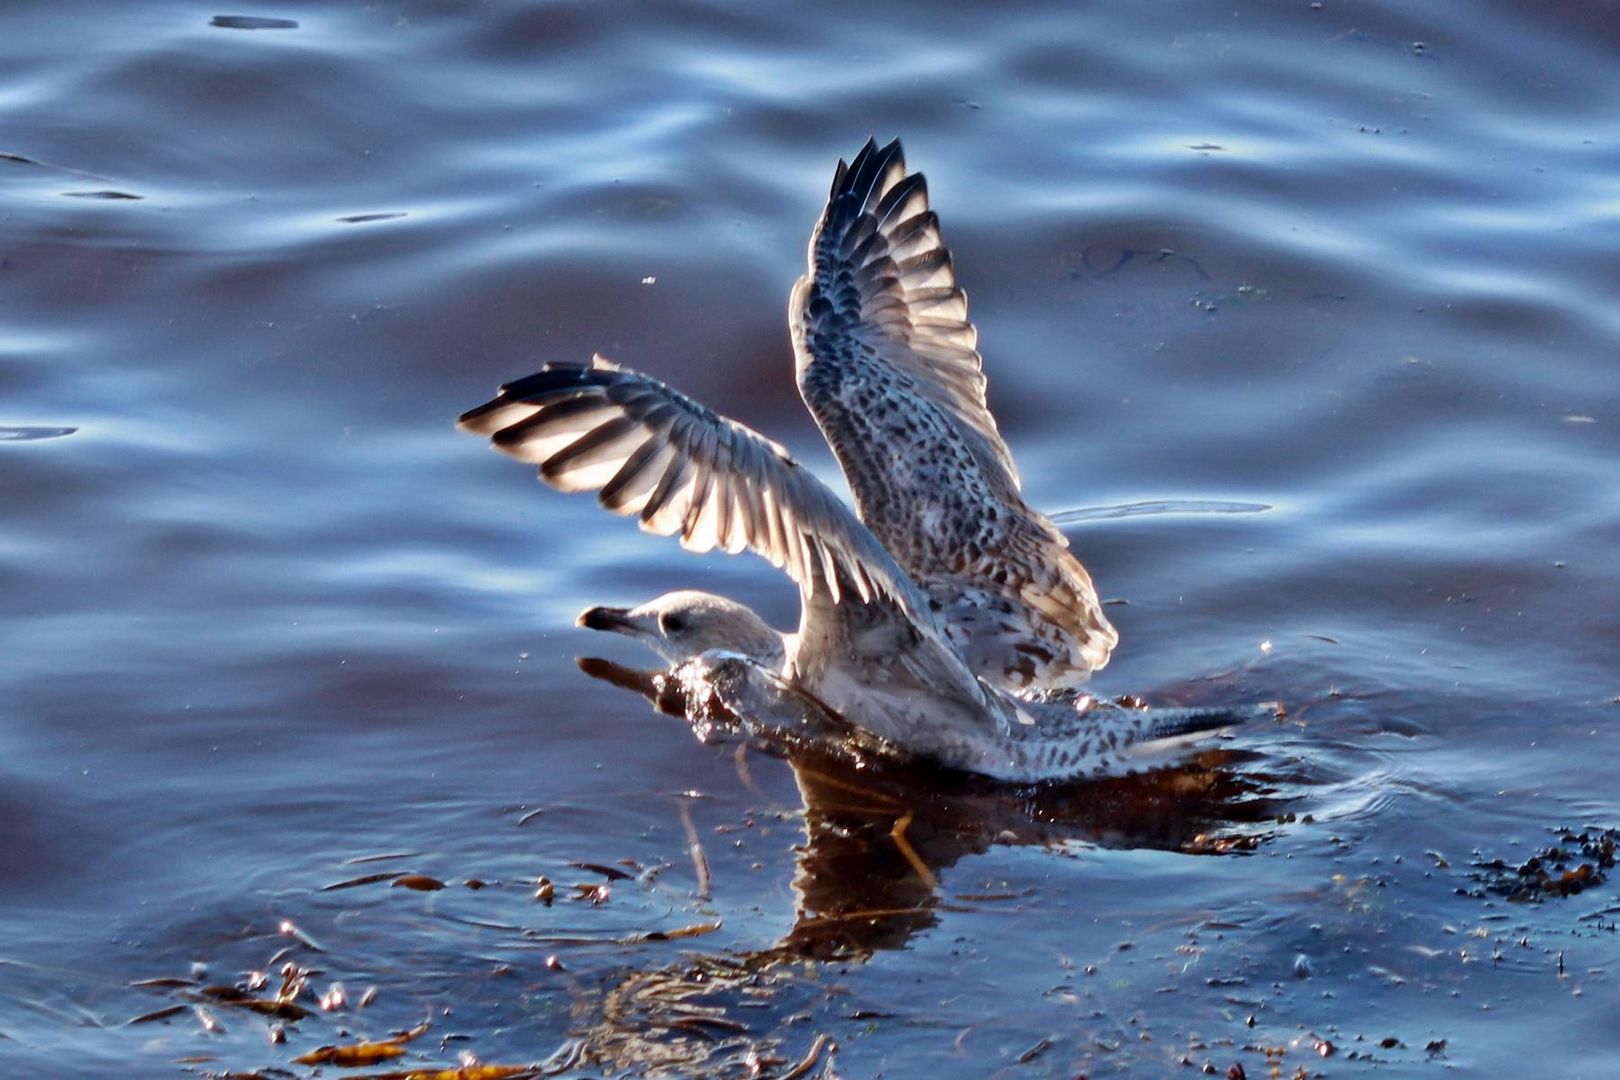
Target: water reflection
879,832
878,835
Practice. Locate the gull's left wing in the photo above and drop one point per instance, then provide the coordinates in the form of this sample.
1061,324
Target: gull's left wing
888,364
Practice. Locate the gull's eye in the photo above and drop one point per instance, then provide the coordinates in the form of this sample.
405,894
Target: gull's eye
670,623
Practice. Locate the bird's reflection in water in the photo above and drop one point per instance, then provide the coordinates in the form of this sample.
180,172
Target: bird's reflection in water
879,833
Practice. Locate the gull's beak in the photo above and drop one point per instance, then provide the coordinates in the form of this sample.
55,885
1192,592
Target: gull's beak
615,620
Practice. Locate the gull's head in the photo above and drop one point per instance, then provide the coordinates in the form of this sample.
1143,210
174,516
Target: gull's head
680,625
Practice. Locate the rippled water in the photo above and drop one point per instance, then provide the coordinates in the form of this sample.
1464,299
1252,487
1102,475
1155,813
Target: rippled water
1348,266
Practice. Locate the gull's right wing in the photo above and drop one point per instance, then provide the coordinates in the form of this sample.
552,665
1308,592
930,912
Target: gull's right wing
684,470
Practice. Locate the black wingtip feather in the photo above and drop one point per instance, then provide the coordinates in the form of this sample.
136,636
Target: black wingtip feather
548,413
554,377
838,179
550,381
862,175
468,421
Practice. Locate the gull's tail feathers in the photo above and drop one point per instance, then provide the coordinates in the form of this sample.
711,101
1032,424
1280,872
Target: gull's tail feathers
1107,740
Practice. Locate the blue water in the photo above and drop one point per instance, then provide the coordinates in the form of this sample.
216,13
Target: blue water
266,613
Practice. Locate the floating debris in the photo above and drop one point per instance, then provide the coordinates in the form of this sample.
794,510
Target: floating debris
335,998
419,882
1202,844
1576,863
694,847
160,1014
210,1023
465,1072
823,1044
1040,1047
366,1053
695,930
596,894
290,929
281,1006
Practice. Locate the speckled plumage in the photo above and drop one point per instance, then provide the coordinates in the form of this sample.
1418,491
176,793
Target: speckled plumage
946,593
888,364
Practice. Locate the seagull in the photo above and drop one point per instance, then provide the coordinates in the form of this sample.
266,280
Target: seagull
943,615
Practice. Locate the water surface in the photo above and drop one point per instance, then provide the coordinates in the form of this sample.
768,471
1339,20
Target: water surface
267,614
